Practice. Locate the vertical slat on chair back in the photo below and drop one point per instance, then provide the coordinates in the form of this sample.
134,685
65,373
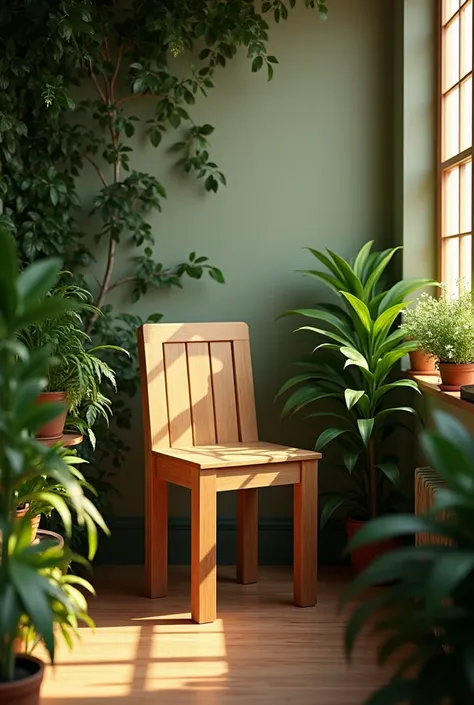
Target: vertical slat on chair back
197,384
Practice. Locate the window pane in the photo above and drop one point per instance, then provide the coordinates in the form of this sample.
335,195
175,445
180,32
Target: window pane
451,124
451,265
451,202
449,8
451,54
466,39
466,114
466,198
466,260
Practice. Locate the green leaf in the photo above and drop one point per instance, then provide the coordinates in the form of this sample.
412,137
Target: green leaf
216,274
395,526
404,409
361,259
37,279
351,458
332,282
257,63
391,472
366,427
326,316
352,396
304,396
8,274
298,379
329,264
400,291
386,364
324,333
360,309
327,436
32,589
347,273
446,576
399,383
332,506
375,275
385,321
354,357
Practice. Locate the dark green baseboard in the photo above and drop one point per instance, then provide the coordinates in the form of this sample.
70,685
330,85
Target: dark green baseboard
126,545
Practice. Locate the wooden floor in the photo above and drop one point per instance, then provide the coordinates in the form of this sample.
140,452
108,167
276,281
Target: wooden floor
261,650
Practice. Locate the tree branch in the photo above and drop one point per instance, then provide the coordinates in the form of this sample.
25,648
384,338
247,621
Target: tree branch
97,168
117,67
119,282
96,84
134,96
104,289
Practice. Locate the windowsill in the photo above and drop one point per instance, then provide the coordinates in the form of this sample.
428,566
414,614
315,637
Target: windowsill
429,385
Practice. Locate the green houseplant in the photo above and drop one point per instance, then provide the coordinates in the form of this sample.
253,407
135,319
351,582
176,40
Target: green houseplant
76,371
36,495
444,329
358,349
424,616
30,591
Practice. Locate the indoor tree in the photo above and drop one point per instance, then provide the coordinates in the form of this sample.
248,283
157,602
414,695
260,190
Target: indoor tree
123,58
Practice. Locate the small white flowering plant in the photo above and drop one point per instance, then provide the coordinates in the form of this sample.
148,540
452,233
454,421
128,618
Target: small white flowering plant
444,327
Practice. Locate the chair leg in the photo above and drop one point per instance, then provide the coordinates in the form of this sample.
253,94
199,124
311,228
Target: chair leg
156,538
203,549
305,535
247,536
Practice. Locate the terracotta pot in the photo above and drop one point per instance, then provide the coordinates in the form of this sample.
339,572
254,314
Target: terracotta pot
23,511
25,689
44,535
422,363
54,428
362,557
454,376
35,522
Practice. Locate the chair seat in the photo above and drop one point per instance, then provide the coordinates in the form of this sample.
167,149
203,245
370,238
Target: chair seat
236,455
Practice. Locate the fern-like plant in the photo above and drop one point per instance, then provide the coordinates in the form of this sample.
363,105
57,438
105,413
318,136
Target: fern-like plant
76,367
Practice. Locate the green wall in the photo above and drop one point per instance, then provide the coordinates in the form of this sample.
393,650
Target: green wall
309,162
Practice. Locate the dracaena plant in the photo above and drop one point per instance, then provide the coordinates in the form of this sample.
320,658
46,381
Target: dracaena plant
29,589
424,616
357,350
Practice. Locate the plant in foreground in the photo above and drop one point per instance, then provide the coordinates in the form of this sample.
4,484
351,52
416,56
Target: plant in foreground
30,591
358,350
425,614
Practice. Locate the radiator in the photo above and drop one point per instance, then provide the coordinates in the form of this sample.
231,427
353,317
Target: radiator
427,484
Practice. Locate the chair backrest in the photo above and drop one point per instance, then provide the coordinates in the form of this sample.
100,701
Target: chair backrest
197,384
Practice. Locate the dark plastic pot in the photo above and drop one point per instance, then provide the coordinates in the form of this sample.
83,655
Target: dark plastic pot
363,557
54,428
26,686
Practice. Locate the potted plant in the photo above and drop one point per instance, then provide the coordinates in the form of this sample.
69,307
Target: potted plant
75,372
358,349
444,329
29,587
424,617
36,496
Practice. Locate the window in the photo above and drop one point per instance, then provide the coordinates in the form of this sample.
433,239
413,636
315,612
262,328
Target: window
455,143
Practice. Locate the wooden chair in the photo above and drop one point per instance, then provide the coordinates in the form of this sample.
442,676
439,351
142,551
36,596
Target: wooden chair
201,433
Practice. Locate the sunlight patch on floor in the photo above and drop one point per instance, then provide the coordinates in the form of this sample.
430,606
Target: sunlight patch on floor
119,661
